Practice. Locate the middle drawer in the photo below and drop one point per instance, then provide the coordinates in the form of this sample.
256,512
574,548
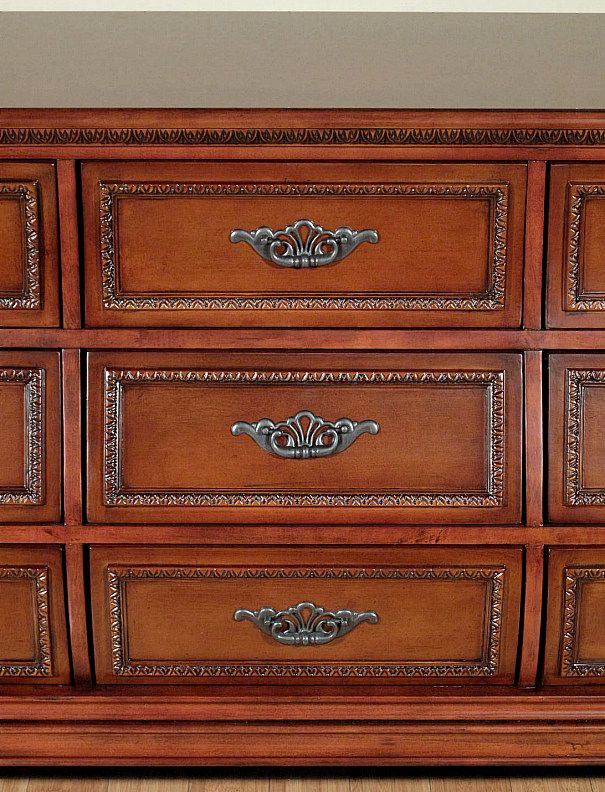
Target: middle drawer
309,437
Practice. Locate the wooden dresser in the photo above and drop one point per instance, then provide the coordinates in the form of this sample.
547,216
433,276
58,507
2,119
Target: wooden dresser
302,437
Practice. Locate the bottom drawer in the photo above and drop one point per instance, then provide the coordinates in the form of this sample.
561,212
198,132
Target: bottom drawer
184,614
33,640
575,627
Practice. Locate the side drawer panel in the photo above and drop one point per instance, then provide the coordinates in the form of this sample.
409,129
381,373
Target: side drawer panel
29,266
33,641
30,436
575,633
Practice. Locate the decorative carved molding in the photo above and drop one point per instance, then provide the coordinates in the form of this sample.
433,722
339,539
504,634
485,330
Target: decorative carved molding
117,379
302,136
33,381
577,195
577,380
123,665
574,580
492,299
31,296
41,664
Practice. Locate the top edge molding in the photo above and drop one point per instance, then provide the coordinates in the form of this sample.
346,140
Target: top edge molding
299,128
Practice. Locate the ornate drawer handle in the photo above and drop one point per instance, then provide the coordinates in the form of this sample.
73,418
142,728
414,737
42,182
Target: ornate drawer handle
304,244
305,435
305,624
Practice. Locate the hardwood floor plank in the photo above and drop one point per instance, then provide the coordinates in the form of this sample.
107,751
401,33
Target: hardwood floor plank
151,783
554,783
10,784
309,784
391,783
65,783
470,783
229,784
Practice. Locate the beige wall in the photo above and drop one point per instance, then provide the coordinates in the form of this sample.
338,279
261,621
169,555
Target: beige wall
302,60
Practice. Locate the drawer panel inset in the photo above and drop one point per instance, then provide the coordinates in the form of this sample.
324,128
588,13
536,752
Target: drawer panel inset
423,615
218,437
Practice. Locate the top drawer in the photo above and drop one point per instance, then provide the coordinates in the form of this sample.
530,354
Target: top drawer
173,244
28,245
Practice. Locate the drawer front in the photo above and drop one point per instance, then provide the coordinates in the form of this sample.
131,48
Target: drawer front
221,437
28,245
576,455
576,246
30,437
170,244
33,642
421,615
575,639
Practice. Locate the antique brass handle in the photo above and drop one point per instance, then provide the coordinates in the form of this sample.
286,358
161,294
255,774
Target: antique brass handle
305,624
304,435
304,244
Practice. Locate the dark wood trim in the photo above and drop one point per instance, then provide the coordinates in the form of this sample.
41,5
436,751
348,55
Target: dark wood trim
77,622
70,255
307,339
291,743
532,616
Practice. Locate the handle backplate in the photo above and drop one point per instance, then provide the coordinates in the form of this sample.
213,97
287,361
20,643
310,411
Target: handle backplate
305,624
304,244
304,435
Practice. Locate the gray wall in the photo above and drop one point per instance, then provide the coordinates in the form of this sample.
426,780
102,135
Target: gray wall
302,60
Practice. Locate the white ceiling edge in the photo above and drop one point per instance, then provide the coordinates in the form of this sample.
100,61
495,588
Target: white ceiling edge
362,6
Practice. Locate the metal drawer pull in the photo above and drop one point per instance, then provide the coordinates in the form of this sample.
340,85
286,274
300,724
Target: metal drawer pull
304,244
305,624
305,435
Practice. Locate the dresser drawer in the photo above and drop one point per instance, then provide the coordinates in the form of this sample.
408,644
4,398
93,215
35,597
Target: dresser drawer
33,641
575,638
423,615
577,451
576,246
30,437
172,244
28,245
220,437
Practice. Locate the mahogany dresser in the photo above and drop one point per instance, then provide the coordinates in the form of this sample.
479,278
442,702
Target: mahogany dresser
302,437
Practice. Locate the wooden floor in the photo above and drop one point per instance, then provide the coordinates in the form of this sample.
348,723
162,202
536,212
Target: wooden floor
309,781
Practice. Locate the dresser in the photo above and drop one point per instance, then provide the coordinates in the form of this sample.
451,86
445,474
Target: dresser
302,437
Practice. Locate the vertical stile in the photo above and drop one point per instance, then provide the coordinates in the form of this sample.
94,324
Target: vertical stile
534,242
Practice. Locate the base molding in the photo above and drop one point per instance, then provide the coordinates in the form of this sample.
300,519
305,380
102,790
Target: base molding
312,727
461,743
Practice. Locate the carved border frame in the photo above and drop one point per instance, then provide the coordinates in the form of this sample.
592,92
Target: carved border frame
34,382
577,380
301,136
41,665
118,577
31,296
574,578
116,379
492,299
